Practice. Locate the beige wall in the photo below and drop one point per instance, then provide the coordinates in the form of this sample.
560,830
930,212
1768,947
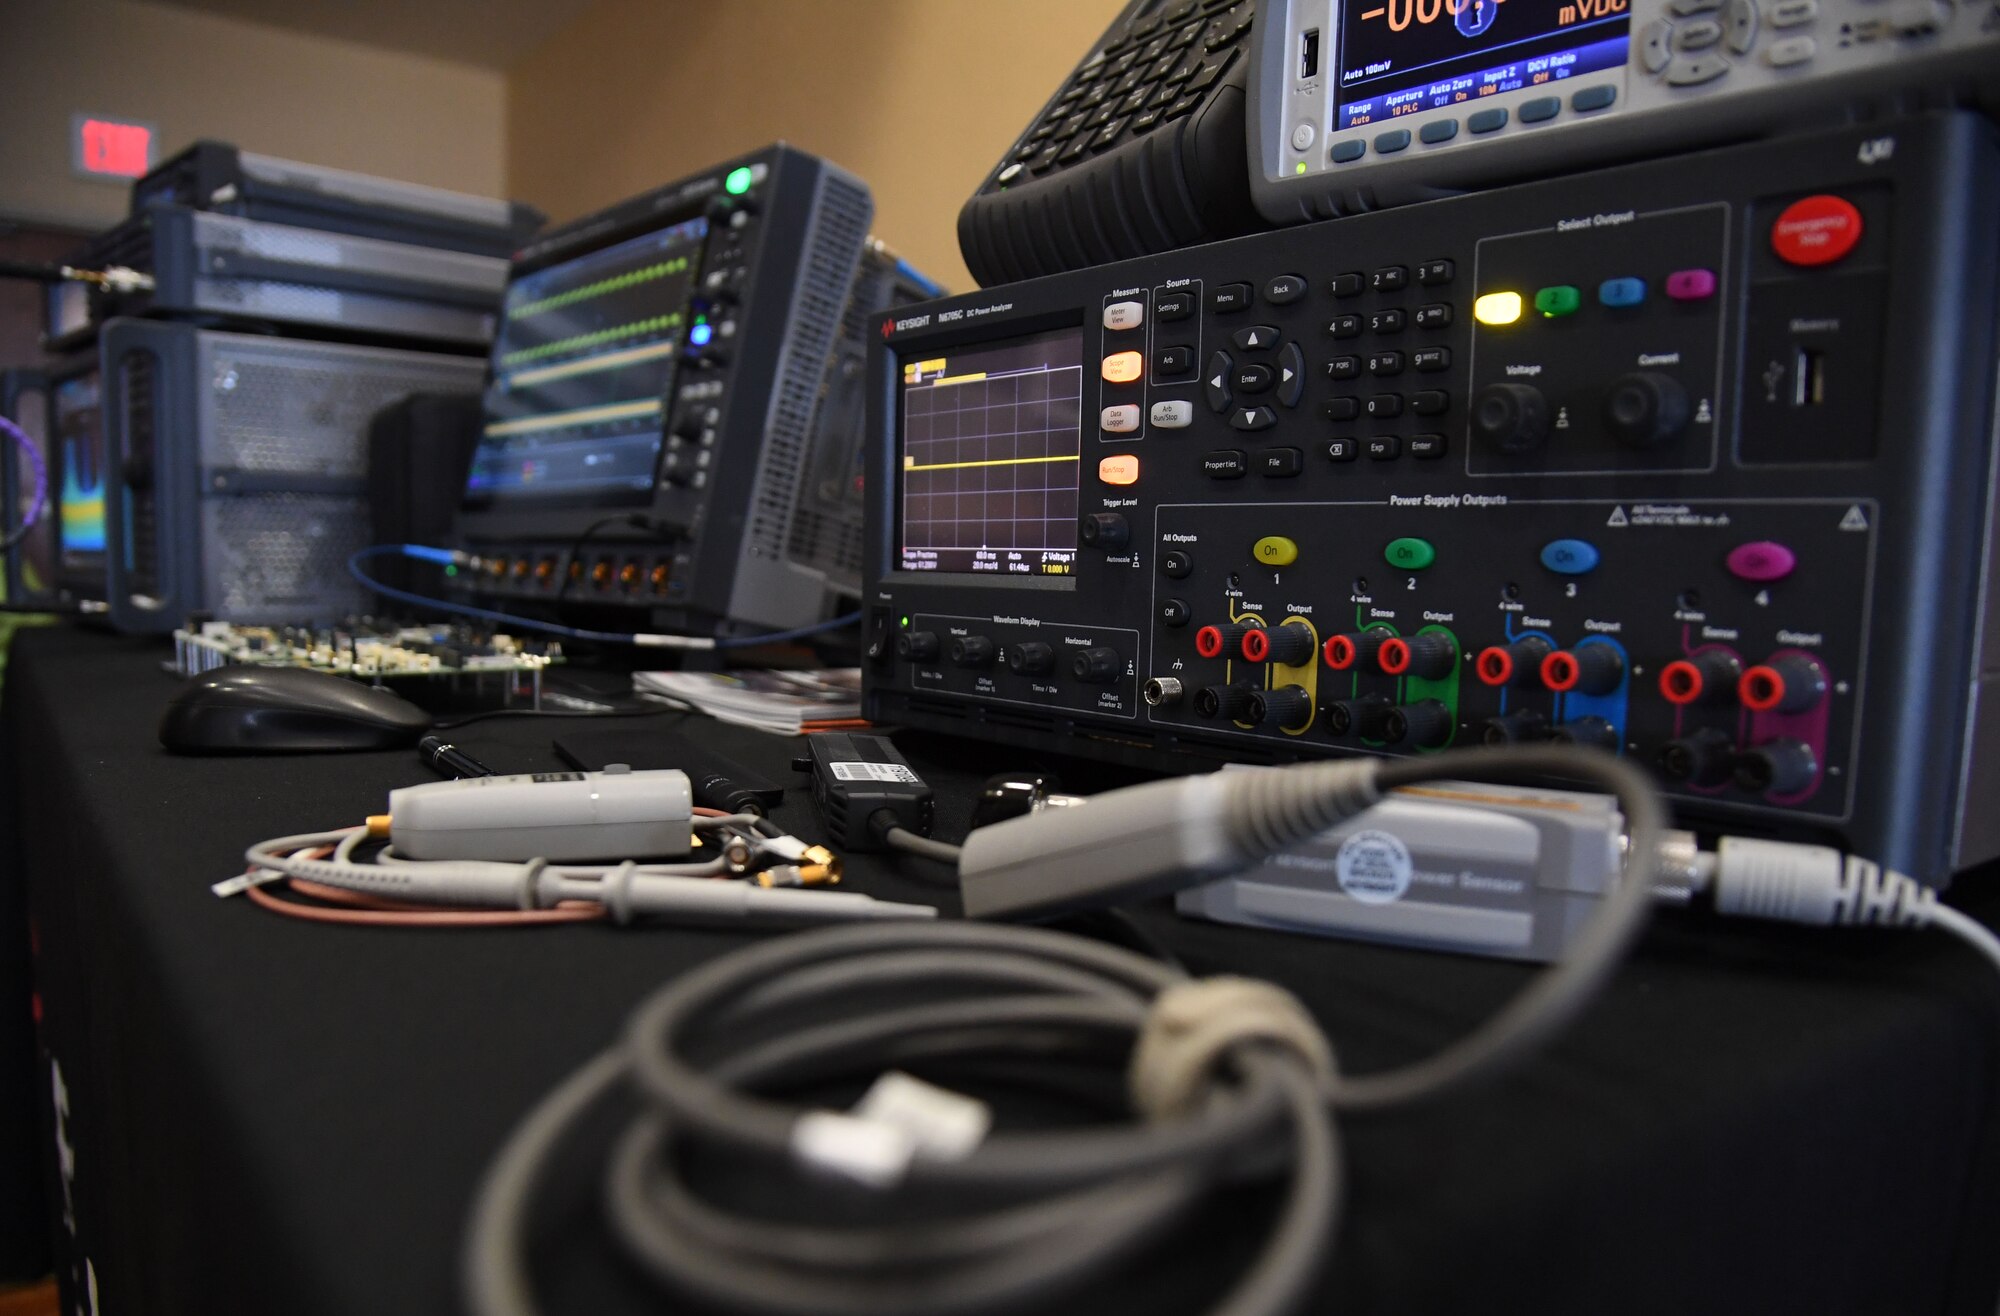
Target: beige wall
918,97
195,75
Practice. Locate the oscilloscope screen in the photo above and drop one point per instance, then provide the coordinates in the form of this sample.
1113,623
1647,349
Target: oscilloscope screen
76,421
1400,57
582,366
990,444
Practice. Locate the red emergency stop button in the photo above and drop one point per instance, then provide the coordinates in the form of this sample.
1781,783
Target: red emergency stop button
1816,230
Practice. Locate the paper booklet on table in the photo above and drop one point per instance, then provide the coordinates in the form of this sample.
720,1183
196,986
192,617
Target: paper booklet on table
787,702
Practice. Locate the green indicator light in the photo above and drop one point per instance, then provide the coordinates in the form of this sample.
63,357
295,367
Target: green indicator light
906,621
451,571
1299,168
738,181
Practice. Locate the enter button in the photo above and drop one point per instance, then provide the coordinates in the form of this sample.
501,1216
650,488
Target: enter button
1761,561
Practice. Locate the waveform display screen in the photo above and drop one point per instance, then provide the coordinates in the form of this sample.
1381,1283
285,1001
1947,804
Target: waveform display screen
1401,57
76,421
991,441
582,366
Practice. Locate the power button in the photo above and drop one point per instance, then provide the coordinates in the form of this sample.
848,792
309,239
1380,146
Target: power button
1816,230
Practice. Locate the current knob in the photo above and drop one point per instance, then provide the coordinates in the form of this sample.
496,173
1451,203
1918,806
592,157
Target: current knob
1512,417
1097,665
1645,409
972,651
1779,768
1105,530
1366,717
917,646
1031,658
1425,724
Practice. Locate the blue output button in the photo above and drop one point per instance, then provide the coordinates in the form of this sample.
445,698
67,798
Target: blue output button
1570,557
1622,292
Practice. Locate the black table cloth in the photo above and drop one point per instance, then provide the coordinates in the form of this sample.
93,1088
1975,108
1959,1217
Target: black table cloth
265,1115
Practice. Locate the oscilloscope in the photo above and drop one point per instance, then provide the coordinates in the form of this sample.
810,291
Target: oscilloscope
1357,104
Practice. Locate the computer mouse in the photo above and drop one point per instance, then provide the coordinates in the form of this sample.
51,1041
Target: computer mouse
286,710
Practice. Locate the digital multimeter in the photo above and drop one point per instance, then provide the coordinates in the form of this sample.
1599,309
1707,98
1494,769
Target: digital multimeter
1358,104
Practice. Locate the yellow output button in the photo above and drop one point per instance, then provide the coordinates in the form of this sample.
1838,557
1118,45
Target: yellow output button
1275,551
1124,367
1497,308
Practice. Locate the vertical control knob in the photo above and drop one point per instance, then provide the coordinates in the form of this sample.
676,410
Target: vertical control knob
1429,657
972,651
1105,530
1778,768
1519,663
1523,726
1229,702
1706,678
1791,684
1030,658
1221,641
917,646
1289,706
1512,418
1702,758
1590,732
1591,669
1356,650
1645,409
1097,665
1425,724
1365,717
1289,644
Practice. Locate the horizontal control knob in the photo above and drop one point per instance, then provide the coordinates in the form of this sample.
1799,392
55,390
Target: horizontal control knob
1591,669
1221,641
1356,650
1428,657
1703,758
1229,702
972,651
1290,644
917,646
1590,732
1288,707
1780,768
1426,724
1706,678
1523,726
1511,418
1029,658
1097,665
1105,530
1645,409
1519,663
1365,717
1791,684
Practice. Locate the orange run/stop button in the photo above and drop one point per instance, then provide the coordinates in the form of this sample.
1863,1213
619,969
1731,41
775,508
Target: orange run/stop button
1121,469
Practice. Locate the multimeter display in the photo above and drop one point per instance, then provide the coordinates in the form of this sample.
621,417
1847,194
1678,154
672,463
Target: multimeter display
1401,57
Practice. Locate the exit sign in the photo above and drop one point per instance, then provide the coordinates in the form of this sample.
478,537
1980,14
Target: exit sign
110,148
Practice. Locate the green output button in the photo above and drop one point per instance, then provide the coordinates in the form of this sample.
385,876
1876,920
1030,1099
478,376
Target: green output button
1410,554
1561,299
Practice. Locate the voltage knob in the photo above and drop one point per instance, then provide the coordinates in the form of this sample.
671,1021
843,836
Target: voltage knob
1289,645
1229,702
1107,531
1512,418
1029,658
917,646
1289,706
1645,409
972,651
1097,665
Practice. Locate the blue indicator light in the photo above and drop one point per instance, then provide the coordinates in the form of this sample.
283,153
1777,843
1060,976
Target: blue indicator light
700,334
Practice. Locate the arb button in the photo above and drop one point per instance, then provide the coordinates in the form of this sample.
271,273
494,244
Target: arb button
1409,553
1275,551
1816,230
1760,561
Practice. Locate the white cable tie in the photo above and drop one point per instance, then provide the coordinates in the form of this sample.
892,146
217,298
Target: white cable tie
1193,1025
863,1151
789,848
236,886
944,1125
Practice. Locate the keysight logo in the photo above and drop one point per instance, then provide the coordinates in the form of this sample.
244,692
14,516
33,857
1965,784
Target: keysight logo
914,322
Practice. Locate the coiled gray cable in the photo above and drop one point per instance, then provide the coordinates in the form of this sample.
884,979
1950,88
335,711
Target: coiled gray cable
1024,1216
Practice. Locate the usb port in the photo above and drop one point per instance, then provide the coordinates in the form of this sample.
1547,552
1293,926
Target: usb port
1309,55
1808,378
